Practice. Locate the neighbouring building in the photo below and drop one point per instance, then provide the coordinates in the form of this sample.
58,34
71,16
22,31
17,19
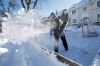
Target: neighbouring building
85,8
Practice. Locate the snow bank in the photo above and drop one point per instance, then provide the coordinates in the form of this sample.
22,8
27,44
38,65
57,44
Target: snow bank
3,41
97,59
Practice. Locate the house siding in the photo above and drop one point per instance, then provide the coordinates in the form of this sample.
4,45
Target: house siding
91,12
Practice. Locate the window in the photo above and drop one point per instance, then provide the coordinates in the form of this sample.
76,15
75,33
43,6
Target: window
84,9
73,11
98,17
89,0
74,20
98,3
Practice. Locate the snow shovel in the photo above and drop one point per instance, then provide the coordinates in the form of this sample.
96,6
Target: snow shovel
66,60
62,58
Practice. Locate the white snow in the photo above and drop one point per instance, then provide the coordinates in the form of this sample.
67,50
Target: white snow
3,41
21,32
23,36
22,25
21,11
28,54
16,50
3,50
97,59
81,49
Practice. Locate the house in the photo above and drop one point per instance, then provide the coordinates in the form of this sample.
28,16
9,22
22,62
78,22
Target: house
84,8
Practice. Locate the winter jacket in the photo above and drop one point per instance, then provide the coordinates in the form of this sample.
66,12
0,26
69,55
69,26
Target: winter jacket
0,23
55,24
64,18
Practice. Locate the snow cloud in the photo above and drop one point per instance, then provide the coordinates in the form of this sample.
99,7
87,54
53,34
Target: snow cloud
23,26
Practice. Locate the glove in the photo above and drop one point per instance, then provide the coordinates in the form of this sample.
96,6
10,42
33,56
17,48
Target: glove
61,34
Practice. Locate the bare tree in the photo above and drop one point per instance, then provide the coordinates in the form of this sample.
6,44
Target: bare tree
35,4
1,3
12,4
32,3
22,3
2,9
28,2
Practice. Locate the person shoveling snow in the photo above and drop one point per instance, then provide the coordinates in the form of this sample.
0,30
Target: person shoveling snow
23,49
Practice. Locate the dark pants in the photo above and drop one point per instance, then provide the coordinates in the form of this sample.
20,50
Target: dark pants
0,28
56,41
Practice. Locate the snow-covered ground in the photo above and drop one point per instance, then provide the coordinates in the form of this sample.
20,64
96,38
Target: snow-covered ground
17,42
81,49
22,38
97,59
27,54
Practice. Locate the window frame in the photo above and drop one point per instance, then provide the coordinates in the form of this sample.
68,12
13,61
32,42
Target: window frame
73,11
98,17
84,9
98,4
74,20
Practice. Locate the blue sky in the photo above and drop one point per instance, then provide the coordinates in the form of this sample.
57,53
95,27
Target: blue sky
54,5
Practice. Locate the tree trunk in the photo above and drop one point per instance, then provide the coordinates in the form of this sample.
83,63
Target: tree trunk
35,4
22,2
28,3
9,7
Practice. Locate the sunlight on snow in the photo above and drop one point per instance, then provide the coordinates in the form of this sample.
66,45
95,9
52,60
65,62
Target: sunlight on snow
3,50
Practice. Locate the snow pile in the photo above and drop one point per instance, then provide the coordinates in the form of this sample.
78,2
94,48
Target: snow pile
3,41
23,26
3,50
97,59
21,11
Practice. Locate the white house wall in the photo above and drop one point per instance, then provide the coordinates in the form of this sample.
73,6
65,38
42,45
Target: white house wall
96,11
91,12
